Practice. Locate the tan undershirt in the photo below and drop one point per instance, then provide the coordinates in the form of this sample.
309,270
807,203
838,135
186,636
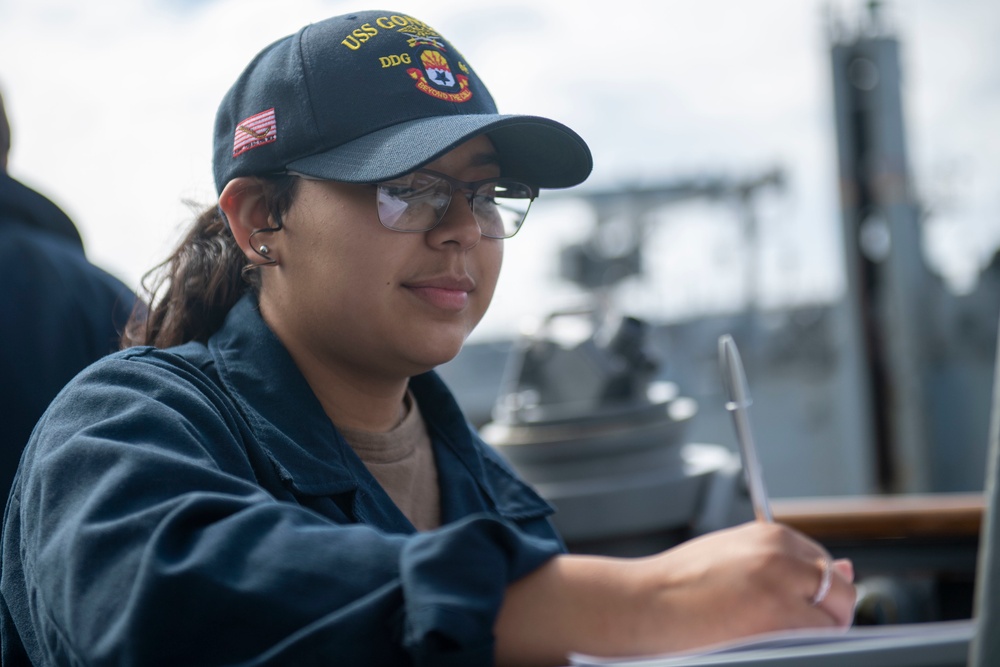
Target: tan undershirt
402,461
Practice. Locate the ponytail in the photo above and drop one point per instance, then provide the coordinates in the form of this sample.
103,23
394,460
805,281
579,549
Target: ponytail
192,291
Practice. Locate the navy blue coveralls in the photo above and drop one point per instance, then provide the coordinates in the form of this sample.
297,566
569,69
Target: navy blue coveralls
195,506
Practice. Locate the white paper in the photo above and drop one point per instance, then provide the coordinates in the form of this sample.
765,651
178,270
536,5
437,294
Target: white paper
816,638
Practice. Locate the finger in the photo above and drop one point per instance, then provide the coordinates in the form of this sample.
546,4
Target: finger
835,593
825,581
845,567
811,558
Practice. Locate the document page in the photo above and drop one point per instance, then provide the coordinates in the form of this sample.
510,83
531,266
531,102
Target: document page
935,641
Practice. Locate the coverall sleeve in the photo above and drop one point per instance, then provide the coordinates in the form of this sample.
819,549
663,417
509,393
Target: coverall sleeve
143,537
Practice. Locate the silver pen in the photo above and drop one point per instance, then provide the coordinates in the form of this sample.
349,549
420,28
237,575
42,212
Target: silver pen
738,393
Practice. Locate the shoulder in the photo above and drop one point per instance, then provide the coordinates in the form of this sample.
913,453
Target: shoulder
137,378
182,368
42,266
142,401
20,203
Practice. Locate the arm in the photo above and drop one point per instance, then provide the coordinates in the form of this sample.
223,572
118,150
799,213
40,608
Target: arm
737,582
145,529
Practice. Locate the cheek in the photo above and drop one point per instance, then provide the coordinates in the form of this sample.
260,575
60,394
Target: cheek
490,274
361,273
333,249
348,276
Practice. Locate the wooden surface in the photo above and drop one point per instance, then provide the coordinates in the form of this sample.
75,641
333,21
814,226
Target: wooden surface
930,516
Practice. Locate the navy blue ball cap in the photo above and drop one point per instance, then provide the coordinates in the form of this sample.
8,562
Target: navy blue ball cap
373,95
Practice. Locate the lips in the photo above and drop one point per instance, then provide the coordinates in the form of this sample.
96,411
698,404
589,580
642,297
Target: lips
450,293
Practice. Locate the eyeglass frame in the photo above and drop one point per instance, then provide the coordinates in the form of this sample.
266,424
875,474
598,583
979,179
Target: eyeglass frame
468,186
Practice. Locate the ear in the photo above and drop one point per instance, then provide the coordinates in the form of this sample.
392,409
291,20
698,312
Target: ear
243,203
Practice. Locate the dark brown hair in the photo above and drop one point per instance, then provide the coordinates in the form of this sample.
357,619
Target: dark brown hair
190,293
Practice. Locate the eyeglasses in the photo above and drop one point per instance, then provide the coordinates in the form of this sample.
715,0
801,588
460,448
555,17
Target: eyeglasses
418,201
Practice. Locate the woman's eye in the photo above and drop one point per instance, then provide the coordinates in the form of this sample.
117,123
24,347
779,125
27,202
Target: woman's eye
398,192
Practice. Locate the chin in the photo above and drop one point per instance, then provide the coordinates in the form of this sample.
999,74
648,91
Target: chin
444,351
436,360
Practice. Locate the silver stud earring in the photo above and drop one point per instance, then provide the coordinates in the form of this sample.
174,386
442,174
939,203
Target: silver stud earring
264,249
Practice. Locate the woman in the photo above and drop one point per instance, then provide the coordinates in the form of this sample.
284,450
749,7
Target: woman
276,475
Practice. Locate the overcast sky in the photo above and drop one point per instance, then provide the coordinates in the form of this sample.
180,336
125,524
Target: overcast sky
112,105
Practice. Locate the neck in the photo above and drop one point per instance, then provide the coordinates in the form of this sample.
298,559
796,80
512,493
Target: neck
354,397
364,411
360,402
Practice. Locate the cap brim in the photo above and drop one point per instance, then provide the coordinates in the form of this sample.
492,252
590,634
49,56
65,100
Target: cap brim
538,151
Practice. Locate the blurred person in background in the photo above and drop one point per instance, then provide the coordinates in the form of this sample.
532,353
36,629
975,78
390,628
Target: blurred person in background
59,311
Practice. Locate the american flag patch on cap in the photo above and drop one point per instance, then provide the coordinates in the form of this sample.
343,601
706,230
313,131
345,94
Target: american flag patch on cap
257,130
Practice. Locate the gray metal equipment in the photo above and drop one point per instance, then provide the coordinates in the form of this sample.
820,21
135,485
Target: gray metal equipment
584,415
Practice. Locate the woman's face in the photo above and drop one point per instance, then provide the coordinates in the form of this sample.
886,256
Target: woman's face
348,291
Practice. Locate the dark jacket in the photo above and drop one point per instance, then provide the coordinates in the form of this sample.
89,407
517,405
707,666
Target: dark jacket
59,313
195,506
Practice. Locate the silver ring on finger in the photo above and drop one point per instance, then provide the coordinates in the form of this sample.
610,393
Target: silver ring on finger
825,580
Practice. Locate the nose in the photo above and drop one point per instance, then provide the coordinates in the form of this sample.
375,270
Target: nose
459,224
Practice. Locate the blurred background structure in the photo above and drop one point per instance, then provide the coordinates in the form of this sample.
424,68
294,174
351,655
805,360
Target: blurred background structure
882,386
882,389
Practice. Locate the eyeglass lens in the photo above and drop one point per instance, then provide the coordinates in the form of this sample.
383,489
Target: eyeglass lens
418,201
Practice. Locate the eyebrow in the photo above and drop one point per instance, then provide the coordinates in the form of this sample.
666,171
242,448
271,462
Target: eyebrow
485,159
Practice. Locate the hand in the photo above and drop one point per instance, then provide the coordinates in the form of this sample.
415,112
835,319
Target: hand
729,584
753,578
